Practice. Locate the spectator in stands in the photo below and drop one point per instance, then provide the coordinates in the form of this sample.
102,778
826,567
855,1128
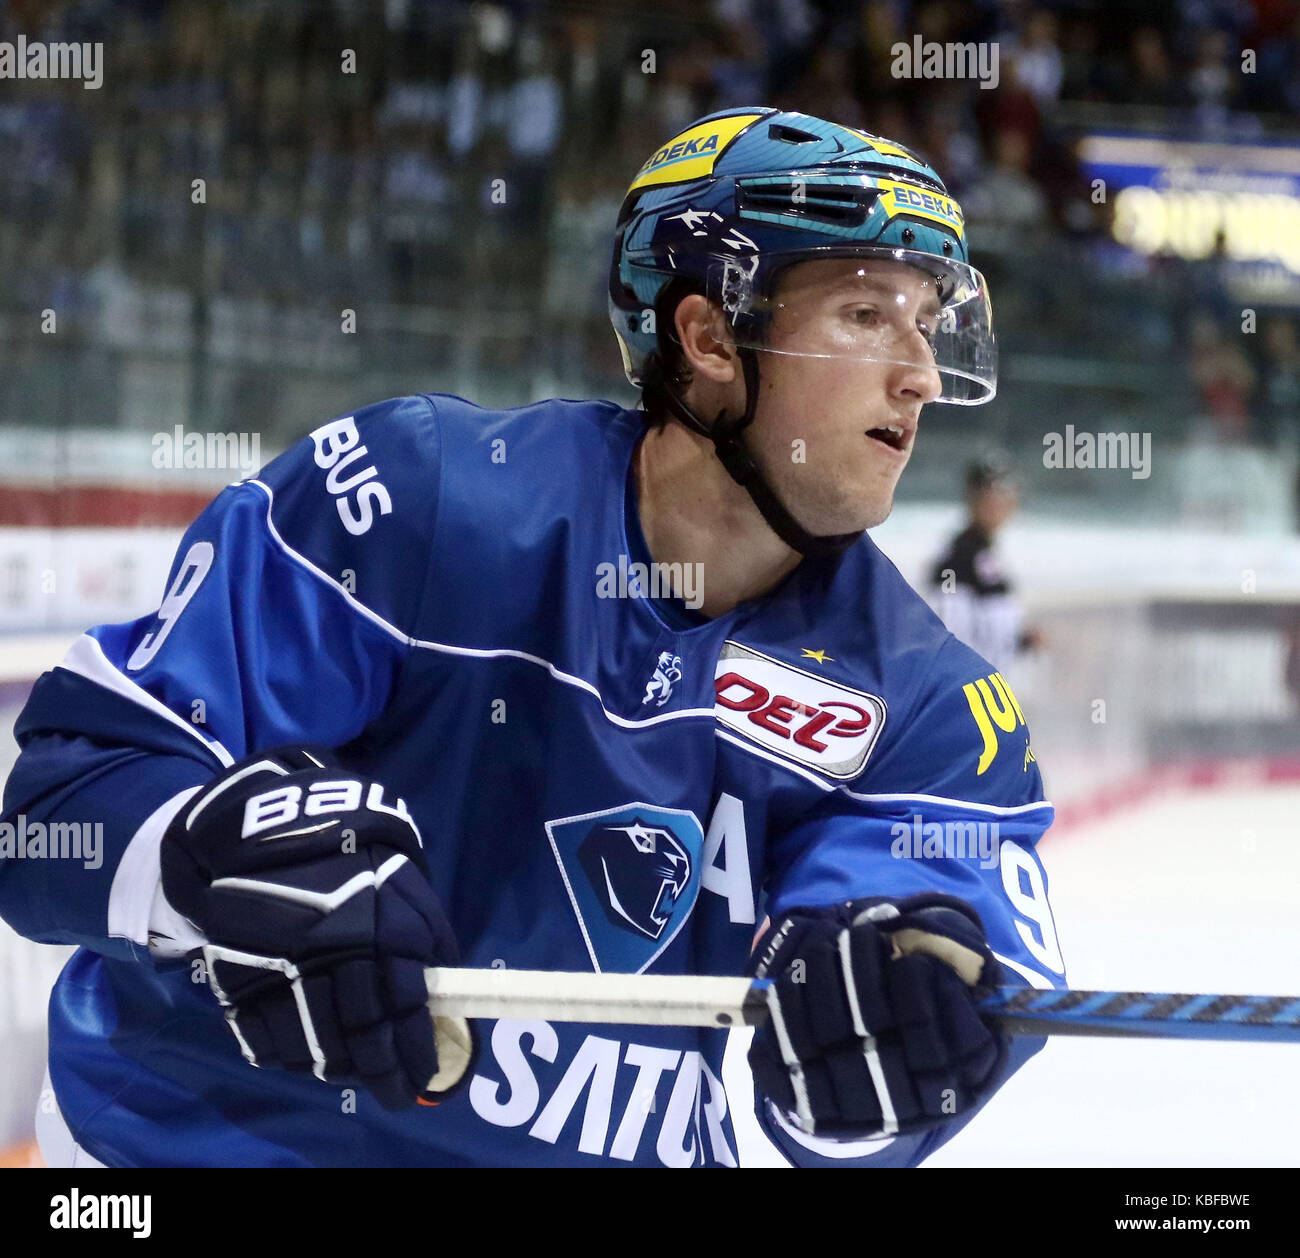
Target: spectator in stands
1035,58
1278,82
1007,204
1212,80
1153,80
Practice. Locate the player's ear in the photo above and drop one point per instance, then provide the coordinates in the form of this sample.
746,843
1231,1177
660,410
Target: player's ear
706,341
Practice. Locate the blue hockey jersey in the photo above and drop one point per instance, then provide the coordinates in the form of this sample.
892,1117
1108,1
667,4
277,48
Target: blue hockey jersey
457,600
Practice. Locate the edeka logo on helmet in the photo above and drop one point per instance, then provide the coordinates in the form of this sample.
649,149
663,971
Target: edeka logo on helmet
813,241
692,153
902,199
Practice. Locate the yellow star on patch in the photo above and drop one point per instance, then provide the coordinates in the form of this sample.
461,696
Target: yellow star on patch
820,656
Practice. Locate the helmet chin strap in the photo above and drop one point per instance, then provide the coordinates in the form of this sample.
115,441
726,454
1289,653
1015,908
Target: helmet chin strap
727,435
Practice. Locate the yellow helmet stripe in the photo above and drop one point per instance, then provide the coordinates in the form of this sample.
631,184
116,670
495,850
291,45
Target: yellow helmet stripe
693,153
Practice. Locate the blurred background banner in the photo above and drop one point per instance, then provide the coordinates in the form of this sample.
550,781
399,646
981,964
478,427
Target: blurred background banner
238,220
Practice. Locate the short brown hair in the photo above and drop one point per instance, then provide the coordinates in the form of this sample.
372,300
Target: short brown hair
666,367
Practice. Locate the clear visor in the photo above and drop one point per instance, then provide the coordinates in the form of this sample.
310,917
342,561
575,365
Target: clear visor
893,306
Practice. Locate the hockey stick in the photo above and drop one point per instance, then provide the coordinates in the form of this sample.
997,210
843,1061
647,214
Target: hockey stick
709,1001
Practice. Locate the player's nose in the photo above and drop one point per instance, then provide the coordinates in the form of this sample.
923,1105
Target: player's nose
915,383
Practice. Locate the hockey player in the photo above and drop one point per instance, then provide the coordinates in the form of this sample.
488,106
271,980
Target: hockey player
415,695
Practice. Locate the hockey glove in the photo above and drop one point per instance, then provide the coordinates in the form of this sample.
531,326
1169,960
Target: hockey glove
872,1028
316,920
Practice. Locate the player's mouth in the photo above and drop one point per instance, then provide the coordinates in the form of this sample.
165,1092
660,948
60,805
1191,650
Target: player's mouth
895,436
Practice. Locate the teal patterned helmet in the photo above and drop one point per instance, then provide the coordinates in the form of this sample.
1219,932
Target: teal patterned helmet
730,203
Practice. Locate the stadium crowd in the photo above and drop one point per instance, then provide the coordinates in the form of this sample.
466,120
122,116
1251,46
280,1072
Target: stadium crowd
463,170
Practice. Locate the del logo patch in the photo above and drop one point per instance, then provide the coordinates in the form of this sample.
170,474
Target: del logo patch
796,714
632,874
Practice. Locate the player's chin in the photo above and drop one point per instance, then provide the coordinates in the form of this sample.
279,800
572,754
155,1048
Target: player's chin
862,509
874,499
859,500
875,512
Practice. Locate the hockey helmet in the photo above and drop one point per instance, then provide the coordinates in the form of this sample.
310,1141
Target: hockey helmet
738,197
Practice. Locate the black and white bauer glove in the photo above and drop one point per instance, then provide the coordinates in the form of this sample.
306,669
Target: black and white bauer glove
315,920
873,1029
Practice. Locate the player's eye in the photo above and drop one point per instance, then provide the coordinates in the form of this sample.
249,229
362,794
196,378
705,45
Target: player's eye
864,316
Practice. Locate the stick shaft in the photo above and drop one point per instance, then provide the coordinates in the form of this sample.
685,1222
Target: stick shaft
713,1001
634,999
1165,1015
